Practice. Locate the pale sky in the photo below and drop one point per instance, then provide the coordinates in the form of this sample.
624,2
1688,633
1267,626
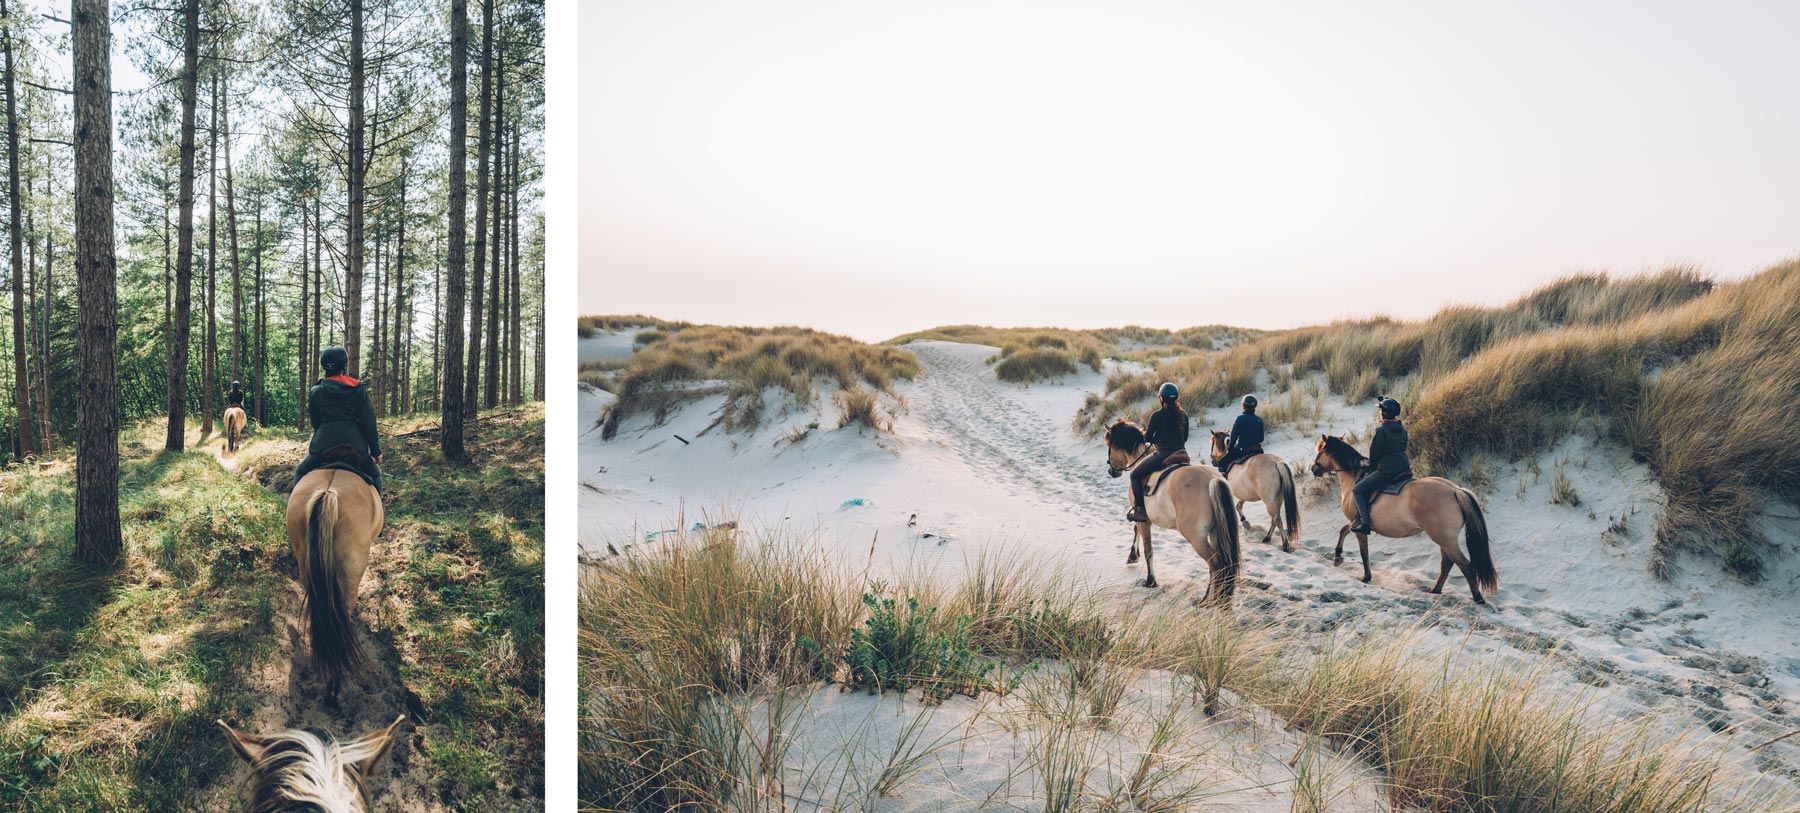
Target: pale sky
873,168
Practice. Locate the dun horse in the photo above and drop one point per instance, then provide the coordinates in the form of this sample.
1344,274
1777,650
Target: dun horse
298,770
333,517
1269,480
1441,509
1192,500
234,428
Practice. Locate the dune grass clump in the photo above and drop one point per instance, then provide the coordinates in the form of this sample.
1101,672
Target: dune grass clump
1031,354
589,326
1455,734
675,363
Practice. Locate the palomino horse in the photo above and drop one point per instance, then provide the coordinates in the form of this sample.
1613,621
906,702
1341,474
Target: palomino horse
299,770
1192,500
234,428
333,517
1434,505
1267,479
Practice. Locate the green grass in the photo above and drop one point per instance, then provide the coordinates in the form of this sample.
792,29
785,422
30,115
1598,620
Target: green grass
110,681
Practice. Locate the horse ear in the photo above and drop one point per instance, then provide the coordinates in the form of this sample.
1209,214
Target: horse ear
248,747
374,747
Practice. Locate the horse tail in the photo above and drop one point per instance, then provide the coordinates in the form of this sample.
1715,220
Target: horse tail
335,650
1290,499
1225,531
1475,534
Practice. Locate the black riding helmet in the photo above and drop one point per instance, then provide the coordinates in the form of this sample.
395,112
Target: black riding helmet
1249,403
334,359
1168,391
1390,408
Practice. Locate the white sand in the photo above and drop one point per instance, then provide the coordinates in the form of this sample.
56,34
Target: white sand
976,463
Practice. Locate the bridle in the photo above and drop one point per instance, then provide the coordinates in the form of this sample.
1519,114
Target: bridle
1115,471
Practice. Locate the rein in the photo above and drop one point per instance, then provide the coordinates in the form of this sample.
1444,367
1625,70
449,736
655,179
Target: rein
1134,461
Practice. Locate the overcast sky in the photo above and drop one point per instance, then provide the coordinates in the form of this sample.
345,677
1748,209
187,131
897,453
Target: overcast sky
877,168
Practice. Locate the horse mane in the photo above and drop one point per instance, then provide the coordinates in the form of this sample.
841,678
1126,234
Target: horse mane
299,770
1124,434
1344,453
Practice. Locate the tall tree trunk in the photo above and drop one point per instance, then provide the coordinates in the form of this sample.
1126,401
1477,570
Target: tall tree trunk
402,338
45,422
358,168
472,391
23,432
176,439
237,279
259,341
378,370
497,294
168,268
318,296
516,322
97,537
209,355
306,327
451,435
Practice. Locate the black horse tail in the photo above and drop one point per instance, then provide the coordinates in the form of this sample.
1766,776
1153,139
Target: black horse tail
335,649
1475,535
1290,499
1225,533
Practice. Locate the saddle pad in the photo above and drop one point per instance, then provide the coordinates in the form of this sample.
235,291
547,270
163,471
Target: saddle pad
1156,478
1394,487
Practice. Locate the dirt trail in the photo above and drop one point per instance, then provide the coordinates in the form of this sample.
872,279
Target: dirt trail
291,695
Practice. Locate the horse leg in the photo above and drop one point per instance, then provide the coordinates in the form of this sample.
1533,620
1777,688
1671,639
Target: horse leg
1132,559
1337,556
1362,546
1462,564
1443,573
1246,519
1149,564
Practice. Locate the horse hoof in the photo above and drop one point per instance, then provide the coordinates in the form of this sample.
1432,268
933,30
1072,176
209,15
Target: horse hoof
1150,582
1365,579
1337,560
1481,601
1287,547
1132,559
1434,592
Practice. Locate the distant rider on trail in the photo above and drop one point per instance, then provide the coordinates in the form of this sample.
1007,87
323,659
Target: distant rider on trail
235,398
1246,437
1387,461
343,421
1167,434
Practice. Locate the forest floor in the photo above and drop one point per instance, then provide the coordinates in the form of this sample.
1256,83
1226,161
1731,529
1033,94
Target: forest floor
110,680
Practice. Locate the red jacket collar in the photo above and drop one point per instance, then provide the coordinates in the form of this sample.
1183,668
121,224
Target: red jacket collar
343,379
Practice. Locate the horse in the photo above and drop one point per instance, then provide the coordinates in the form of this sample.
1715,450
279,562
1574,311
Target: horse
333,516
1192,500
1441,509
299,770
1267,479
234,428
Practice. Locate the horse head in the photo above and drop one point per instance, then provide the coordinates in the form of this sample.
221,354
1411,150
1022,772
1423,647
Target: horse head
1333,454
1218,445
299,770
1123,439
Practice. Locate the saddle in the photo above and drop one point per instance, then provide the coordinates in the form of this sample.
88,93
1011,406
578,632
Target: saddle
1225,470
1171,463
1402,481
345,458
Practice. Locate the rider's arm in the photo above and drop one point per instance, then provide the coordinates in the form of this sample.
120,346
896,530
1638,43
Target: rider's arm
365,420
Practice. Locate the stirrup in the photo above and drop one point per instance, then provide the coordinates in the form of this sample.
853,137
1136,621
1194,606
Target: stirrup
1136,514
1360,529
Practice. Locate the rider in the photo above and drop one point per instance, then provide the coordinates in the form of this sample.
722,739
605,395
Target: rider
235,398
1246,436
343,421
1166,435
1387,461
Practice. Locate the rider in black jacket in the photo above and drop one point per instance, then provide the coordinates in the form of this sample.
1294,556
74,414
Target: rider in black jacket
1246,437
1167,434
343,421
1387,461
